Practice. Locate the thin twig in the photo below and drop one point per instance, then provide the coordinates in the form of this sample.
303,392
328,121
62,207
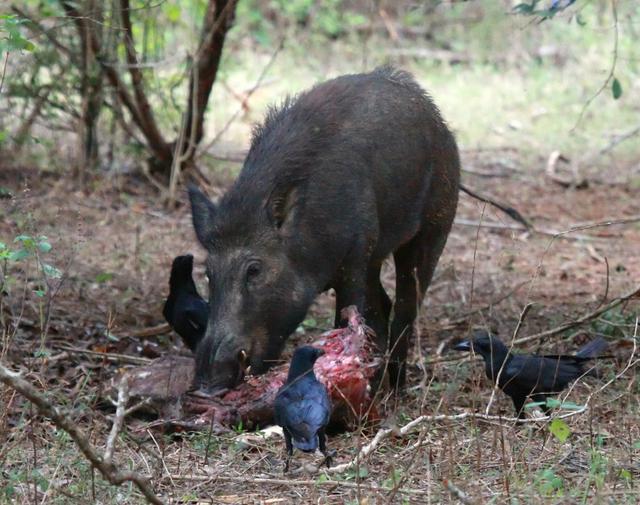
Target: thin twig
612,69
553,233
107,355
121,411
583,319
618,139
64,422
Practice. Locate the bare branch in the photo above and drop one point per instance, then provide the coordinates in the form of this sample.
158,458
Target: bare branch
144,108
218,21
62,421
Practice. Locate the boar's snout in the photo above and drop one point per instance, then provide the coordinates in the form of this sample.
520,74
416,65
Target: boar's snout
219,370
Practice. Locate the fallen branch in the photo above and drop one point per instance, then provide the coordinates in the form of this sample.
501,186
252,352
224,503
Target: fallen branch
618,139
384,433
62,421
508,210
107,355
292,482
587,317
152,331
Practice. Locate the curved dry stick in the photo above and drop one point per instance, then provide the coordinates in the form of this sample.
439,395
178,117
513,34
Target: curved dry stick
62,421
587,317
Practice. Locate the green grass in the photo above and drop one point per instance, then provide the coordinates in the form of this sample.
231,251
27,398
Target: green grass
506,96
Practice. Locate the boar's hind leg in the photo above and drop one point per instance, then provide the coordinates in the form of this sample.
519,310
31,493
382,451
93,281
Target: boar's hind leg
377,306
405,309
415,264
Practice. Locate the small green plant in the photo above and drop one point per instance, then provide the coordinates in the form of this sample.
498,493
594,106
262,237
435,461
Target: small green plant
29,248
395,477
11,38
549,483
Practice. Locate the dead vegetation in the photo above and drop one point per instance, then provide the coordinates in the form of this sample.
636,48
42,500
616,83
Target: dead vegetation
436,444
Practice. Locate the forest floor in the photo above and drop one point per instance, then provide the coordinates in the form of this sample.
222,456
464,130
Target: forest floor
114,245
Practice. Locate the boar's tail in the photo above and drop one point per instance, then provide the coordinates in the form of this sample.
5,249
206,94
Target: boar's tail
510,211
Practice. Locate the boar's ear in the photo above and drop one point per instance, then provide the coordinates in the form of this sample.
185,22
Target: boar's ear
203,211
282,204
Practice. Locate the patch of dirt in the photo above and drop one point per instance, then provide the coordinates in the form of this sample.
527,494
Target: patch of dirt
115,249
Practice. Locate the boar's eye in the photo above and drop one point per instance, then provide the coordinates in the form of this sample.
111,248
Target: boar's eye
253,270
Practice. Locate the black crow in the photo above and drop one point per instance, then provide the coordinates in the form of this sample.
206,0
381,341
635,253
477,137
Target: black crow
302,406
530,375
185,310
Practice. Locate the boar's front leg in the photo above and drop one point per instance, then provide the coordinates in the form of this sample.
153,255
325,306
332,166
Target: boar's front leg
377,306
350,290
351,285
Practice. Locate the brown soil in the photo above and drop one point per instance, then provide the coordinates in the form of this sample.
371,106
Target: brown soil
131,237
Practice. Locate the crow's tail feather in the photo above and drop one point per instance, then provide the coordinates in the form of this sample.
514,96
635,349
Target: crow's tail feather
593,349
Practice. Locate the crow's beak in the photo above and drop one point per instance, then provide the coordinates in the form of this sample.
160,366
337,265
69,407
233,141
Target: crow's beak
465,345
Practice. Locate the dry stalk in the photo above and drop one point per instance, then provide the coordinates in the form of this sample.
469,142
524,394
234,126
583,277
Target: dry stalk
583,319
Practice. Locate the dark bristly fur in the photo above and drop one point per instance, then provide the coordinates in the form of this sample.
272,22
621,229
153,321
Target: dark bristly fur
337,179
302,406
526,375
185,310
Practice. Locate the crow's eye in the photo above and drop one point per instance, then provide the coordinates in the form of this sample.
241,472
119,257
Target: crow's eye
254,269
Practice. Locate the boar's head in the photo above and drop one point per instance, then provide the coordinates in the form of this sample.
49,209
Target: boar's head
257,296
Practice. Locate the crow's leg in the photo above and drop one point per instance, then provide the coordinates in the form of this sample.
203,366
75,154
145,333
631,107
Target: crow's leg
328,455
289,444
542,398
518,403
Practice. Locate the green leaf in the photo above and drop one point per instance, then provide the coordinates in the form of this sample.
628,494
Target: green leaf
103,277
322,478
626,474
51,271
27,240
616,88
44,246
39,292
559,429
18,255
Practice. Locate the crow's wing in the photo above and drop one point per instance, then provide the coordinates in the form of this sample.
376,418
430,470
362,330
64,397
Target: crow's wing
539,374
303,408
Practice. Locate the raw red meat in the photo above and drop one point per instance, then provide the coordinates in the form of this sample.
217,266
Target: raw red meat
346,369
